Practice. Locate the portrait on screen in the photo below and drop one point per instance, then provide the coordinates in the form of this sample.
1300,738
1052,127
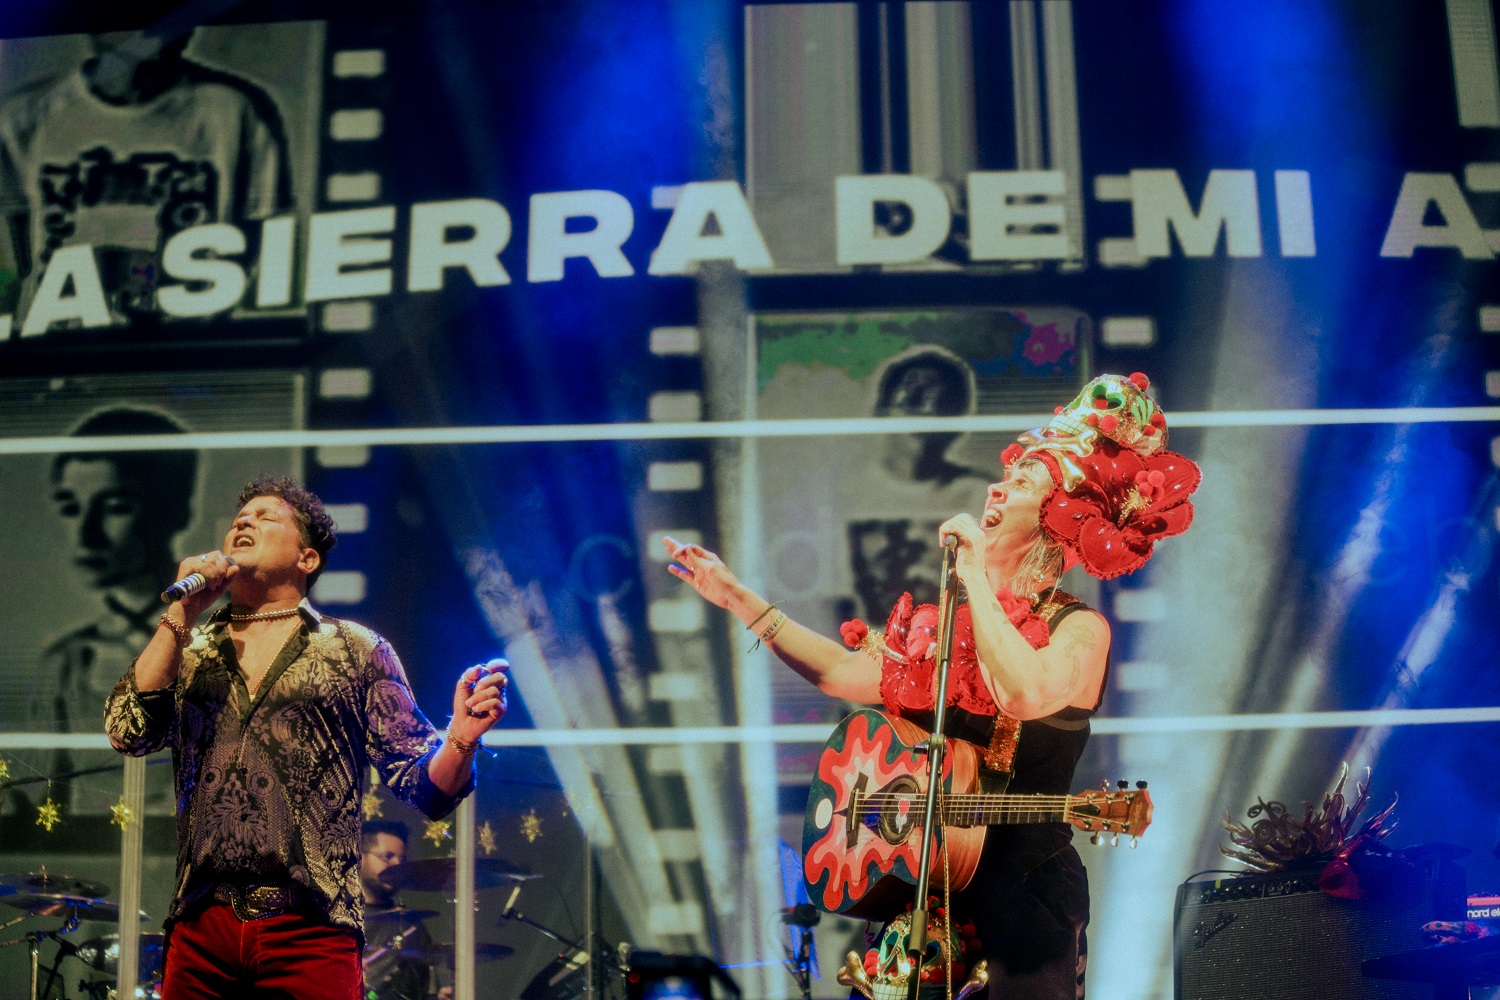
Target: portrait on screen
121,140
104,533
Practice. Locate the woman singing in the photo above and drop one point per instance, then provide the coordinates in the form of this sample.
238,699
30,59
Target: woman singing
1096,487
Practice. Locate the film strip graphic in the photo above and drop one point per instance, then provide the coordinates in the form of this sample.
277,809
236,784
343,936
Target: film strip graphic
353,156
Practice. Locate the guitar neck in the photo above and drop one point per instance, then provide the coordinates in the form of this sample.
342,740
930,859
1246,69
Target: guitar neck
998,810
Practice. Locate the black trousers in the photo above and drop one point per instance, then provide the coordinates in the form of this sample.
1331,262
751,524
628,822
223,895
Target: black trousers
1029,901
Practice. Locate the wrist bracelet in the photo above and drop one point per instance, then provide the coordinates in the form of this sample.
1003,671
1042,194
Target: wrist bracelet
182,632
462,746
756,620
774,627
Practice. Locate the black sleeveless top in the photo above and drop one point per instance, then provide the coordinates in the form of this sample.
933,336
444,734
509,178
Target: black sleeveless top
1028,899
1049,748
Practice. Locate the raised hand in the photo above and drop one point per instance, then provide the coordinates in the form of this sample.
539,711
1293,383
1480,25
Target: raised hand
971,540
218,569
479,699
703,569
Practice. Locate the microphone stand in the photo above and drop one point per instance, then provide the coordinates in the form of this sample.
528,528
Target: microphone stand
916,940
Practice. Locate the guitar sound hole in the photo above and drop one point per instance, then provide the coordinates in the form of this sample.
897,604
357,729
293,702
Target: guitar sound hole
898,812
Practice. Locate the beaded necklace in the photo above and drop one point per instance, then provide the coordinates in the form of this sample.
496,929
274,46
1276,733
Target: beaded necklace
264,616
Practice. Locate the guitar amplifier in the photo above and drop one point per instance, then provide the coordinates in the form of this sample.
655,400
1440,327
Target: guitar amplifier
1277,936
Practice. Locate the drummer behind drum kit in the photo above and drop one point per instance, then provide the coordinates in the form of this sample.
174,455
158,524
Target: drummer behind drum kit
42,894
433,875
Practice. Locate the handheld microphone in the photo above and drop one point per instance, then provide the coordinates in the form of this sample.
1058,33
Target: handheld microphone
190,584
950,541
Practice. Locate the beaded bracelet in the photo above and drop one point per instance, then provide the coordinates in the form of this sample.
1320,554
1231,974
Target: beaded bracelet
182,632
465,748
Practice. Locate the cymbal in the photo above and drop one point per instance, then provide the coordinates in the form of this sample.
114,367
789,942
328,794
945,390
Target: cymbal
67,907
437,874
397,915
103,953
441,953
48,882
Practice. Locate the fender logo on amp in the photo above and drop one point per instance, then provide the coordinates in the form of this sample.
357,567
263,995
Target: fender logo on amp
1205,931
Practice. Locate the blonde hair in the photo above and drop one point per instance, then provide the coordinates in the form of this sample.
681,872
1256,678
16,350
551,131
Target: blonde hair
1043,563
1039,568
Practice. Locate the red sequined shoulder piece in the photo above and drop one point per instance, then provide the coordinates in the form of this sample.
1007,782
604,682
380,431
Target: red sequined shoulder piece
909,666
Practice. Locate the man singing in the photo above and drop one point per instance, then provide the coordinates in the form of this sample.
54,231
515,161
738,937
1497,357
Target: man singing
275,715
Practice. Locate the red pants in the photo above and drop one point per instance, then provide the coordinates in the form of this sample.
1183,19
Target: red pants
214,955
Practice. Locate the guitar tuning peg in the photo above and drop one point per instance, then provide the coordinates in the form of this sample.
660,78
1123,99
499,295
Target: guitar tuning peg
1122,784
1096,839
1135,842
1104,784
1114,841
1141,785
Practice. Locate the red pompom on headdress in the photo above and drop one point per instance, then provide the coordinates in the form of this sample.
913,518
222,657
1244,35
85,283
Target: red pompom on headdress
854,632
1118,489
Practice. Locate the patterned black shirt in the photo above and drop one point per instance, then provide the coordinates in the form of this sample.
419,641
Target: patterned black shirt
269,787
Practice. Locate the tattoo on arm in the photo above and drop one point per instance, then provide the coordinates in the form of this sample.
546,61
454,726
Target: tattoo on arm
1075,648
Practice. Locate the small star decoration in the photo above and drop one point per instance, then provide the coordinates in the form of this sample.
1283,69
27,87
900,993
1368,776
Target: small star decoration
370,804
48,815
531,827
487,837
438,830
120,814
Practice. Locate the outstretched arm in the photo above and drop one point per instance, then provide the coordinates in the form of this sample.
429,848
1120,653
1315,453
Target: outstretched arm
1027,683
835,670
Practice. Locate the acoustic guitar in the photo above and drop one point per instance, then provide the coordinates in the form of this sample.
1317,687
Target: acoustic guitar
859,851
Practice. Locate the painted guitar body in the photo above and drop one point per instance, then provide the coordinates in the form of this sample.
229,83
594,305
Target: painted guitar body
859,836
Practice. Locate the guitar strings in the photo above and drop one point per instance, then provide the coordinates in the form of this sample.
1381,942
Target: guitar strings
981,804
956,796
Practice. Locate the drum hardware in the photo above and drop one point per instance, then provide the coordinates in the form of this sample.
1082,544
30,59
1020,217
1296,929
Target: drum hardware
103,953
71,909
33,940
398,914
438,874
46,883
804,917
441,953
566,977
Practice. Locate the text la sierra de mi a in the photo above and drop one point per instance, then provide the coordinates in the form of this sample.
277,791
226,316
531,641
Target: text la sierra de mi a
1011,216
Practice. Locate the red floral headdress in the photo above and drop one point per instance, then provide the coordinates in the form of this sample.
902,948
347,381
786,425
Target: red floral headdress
1118,488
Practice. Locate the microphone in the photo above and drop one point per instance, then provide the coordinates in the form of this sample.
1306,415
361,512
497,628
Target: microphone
190,584
950,541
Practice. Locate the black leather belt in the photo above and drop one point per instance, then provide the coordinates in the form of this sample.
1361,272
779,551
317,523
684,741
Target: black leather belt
256,902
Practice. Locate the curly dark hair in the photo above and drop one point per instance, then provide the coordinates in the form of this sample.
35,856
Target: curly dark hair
316,526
